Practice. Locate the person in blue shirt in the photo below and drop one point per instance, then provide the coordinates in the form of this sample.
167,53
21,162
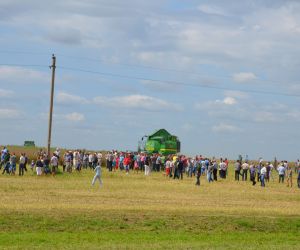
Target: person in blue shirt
281,173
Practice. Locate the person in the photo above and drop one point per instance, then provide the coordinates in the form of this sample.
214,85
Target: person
110,158
90,159
46,163
281,173
32,165
21,164
270,172
263,173
136,167
258,168
289,179
245,167
57,153
158,163
209,173
114,163
252,174
297,166
198,173
189,167
180,169
298,179
54,163
168,166
147,165
6,167
237,169
176,171
97,176
126,162
215,170
121,162
13,163
4,153
39,166
227,165
26,162
223,169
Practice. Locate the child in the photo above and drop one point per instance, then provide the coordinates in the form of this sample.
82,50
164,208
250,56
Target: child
32,165
98,171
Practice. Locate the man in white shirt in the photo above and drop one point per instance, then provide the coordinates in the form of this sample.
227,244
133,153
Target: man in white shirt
21,164
263,173
245,167
223,168
281,173
54,164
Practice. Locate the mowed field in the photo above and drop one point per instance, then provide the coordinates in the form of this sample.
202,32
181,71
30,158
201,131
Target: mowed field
137,212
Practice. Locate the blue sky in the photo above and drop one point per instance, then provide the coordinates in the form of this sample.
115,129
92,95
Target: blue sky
227,71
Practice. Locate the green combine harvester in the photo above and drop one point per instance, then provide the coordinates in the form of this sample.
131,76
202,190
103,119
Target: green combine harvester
161,142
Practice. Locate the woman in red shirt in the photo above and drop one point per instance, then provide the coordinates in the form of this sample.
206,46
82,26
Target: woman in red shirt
127,163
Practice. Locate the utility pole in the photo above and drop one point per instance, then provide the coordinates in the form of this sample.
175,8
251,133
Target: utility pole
51,103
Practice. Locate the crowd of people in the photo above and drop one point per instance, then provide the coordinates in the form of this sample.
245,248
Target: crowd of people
173,166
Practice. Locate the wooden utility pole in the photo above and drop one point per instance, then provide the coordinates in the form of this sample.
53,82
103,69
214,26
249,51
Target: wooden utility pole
51,104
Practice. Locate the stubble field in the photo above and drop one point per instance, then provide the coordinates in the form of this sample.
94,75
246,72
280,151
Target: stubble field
138,212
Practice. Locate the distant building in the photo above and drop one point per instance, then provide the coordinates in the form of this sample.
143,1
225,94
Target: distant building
29,144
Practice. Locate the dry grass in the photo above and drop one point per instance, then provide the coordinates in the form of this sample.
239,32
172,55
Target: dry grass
192,216
156,192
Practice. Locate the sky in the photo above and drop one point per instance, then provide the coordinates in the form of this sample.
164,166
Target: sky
221,75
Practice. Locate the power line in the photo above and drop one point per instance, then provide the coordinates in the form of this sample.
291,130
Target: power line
154,80
24,65
135,65
176,82
161,69
23,52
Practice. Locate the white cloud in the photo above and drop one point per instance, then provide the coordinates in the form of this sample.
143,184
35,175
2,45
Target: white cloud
229,101
137,102
6,113
211,10
244,77
224,127
65,98
22,75
75,117
6,93
265,116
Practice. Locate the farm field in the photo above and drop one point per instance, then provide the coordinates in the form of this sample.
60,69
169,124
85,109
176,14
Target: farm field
138,212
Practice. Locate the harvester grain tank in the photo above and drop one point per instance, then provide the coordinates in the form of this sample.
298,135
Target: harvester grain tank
161,141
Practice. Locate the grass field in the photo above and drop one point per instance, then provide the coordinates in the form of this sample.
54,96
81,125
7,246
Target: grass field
138,212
